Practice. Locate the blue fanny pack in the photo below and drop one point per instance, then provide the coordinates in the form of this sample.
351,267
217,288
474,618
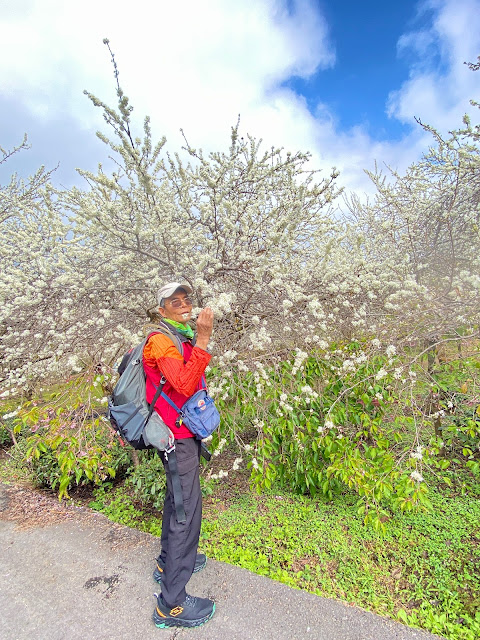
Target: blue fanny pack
199,413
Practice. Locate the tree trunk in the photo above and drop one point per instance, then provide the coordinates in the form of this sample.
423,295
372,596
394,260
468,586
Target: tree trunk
430,345
134,456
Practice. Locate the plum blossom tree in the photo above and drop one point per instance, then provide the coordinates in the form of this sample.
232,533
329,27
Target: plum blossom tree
29,249
83,266
255,234
425,224
241,226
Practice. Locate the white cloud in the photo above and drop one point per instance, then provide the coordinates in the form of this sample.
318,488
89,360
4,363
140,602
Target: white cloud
440,85
174,57
198,65
193,65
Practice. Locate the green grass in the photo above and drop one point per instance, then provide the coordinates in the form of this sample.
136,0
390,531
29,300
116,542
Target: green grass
425,571
120,506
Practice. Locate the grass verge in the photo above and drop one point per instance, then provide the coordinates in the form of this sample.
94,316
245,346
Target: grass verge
424,572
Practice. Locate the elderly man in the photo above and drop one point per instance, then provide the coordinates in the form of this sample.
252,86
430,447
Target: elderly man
184,375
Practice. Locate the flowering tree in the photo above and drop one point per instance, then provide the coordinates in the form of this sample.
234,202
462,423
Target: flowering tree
425,225
239,226
254,234
29,253
244,227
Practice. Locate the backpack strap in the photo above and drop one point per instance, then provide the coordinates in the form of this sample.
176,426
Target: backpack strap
171,459
170,401
170,332
158,393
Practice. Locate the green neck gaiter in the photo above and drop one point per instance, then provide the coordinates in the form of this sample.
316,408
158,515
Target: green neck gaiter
184,329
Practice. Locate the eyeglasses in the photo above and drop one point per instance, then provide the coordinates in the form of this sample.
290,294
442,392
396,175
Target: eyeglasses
178,302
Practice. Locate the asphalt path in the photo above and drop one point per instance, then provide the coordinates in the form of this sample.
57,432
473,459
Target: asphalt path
67,573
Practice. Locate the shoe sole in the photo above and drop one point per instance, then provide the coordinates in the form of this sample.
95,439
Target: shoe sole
162,623
157,576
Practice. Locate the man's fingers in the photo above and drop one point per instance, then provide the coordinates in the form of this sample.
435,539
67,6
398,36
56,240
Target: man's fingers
205,316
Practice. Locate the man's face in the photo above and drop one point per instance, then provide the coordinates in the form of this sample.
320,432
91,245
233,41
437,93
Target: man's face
177,307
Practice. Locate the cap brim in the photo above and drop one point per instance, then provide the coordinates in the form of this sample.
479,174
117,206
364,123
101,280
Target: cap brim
175,287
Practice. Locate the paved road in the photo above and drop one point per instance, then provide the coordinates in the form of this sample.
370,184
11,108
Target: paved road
69,574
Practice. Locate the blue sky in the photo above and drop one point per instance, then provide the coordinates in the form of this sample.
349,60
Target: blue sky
341,79
365,36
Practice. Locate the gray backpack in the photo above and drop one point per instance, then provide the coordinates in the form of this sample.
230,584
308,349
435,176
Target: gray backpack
130,414
136,421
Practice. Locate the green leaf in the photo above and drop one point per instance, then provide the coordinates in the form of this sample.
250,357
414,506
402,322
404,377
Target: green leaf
402,615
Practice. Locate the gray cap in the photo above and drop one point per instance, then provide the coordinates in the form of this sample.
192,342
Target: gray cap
169,289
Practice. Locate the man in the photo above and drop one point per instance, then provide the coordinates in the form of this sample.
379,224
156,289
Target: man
184,374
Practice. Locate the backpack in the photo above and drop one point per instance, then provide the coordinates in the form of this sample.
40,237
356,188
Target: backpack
130,414
136,421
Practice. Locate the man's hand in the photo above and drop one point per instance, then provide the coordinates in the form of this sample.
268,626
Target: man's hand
204,327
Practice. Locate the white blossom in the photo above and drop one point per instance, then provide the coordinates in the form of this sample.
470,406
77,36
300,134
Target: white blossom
12,414
220,446
416,476
418,453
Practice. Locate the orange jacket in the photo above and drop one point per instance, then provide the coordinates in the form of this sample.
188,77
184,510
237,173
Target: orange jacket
184,375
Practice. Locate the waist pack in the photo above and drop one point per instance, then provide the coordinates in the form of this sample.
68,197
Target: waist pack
199,413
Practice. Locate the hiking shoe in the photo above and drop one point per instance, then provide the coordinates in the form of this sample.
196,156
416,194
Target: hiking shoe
193,612
200,562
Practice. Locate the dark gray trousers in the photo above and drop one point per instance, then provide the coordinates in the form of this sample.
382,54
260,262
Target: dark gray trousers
180,541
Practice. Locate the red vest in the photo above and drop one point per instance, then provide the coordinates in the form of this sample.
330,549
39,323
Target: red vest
166,412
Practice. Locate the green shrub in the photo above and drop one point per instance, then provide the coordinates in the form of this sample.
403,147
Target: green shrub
71,442
64,461
147,481
11,425
352,419
5,435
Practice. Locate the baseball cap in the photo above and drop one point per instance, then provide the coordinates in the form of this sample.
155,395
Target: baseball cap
169,289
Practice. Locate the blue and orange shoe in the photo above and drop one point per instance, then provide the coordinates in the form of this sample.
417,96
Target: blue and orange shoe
192,612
